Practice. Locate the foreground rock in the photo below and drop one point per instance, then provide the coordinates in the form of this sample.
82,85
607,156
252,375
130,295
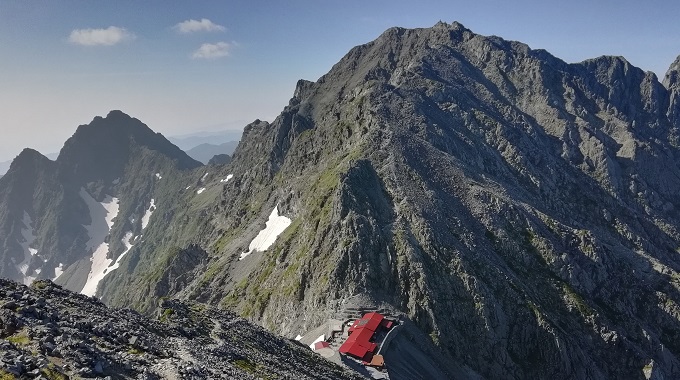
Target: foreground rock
50,332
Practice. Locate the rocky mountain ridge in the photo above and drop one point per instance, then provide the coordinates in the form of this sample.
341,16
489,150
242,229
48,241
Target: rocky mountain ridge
56,216
49,332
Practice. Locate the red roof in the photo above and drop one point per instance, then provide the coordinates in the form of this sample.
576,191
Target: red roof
320,345
386,324
354,349
361,332
370,321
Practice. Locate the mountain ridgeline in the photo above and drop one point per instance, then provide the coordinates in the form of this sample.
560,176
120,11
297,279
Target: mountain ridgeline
521,211
53,214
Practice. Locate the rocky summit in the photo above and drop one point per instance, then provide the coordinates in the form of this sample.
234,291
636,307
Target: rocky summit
51,333
518,211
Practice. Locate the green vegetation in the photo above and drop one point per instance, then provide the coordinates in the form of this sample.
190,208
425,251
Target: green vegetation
135,351
246,365
167,313
50,372
675,277
154,275
39,284
534,308
20,339
6,375
577,300
434,337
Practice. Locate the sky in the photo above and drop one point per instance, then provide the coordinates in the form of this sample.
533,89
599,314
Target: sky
190,66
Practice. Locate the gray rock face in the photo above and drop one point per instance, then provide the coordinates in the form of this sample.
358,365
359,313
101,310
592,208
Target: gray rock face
52,213
672,82
50,332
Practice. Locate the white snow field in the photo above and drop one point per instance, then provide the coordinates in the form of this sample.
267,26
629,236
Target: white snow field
275,227
202,189
159,176
27,234
147,214
101,215
225,180
126,241
204,177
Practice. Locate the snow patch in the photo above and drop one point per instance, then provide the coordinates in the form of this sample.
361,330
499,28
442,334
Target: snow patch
202,189
101,221
58,271
27,234
159,176
126,241
147,214
230,176
275,226
298,337
204,176
188,187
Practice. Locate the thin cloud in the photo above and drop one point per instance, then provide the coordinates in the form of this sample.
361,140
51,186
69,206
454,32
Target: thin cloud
211,51
100,37
193,26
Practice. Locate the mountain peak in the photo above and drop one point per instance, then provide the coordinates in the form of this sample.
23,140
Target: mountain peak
117,114
28,156
29,153
105,145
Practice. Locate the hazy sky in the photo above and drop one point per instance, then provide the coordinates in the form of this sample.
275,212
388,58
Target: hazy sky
210,65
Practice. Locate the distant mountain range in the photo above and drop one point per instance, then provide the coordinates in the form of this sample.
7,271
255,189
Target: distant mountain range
204,152
187,142
520,212
201,147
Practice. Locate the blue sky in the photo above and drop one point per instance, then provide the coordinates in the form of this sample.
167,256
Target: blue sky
64,62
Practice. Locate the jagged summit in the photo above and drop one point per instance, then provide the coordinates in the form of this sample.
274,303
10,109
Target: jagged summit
26,157
108,141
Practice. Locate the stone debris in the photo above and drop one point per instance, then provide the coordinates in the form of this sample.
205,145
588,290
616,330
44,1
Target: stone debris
49,332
